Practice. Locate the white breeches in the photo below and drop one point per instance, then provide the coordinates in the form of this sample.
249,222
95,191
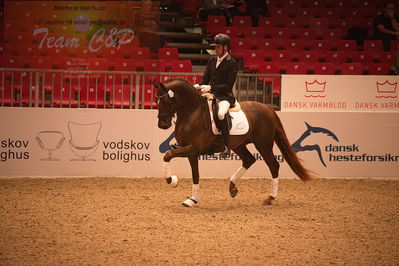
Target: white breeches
224,106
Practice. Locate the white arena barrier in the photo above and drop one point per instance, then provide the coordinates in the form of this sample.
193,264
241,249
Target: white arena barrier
96,142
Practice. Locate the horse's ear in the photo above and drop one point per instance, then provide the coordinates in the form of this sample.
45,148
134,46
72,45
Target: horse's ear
162,86
308,126
155,83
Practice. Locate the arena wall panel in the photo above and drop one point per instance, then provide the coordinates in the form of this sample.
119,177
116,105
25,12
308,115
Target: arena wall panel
42,142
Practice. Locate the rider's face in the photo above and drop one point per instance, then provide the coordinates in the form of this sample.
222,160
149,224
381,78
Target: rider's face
220,50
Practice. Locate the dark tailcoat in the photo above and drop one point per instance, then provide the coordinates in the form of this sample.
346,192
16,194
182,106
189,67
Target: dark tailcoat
221,78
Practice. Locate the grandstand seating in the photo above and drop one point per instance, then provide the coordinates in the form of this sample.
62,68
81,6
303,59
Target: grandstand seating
314,32
299,37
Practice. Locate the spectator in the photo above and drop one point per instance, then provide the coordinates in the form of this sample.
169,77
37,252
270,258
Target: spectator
218,7
256,9
386,26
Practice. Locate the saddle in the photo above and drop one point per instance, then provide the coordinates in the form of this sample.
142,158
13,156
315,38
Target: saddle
214,107
237,122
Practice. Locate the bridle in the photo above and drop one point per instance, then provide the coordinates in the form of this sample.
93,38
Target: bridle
172,103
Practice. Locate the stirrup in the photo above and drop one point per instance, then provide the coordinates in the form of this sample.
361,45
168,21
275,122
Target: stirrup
175,146
225,153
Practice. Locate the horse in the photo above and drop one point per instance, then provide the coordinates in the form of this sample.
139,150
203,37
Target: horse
195,137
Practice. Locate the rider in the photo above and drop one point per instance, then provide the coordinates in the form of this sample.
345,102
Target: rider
218,78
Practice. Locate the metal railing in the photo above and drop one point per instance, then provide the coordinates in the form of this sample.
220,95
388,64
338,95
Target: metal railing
112,89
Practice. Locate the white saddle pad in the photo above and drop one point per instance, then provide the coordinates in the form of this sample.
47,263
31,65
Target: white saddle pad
240,125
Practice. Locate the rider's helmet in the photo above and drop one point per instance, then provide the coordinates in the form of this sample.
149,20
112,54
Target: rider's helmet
221,39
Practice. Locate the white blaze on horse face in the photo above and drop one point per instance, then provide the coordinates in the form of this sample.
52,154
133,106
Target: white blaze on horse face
171,93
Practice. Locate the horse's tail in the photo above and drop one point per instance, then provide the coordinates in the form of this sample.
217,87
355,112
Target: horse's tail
289,154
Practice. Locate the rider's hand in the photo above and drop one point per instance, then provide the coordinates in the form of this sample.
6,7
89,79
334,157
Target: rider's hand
197,86
205,88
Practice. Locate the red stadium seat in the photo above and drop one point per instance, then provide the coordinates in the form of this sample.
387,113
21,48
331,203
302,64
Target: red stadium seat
93,95
351,69
296,68
309,34
167,56
284,33
318,23
272,22
296,44
320,45
214,21
182,66
372,45
252,59
347,45
332,34
339,56
323,69
268,44
296,23
380,69
363,57
310,57
254,32
387,57
168,53
242,21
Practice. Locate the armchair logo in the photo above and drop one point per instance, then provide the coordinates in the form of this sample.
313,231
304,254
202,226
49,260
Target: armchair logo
50,141
386,89
315,89
84,140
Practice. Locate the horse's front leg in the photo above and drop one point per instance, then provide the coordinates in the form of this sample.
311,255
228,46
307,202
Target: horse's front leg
184,151
191,202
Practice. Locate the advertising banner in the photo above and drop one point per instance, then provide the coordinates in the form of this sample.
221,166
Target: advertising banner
94,142
80,29
334,93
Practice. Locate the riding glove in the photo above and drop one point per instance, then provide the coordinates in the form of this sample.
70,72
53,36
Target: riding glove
197,86
205,88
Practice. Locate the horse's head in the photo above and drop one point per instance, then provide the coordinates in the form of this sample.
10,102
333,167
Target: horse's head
175,96
166,105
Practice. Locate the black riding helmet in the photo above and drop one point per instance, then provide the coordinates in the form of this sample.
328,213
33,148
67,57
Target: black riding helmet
221,39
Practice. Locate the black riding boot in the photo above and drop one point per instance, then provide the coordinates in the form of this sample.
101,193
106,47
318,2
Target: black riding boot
225,134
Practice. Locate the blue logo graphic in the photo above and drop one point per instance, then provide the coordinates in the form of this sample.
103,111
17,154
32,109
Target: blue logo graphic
298,147
165,145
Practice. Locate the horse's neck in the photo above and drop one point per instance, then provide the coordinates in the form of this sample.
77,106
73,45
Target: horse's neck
190,111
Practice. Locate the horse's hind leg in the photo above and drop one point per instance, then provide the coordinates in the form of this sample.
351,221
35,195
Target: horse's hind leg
274,166
191,202
247,160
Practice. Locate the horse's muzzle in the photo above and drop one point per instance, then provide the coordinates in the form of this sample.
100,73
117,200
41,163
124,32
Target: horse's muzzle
164,124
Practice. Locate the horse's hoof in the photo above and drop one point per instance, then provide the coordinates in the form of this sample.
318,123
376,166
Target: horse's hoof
189,203
173,181
269,201
233,190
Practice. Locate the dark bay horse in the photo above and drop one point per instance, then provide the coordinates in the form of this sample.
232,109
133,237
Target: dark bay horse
194,134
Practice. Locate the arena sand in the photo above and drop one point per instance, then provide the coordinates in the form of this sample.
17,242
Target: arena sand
120,221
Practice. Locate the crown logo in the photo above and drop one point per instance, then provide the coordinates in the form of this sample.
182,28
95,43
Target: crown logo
386,89
315,88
